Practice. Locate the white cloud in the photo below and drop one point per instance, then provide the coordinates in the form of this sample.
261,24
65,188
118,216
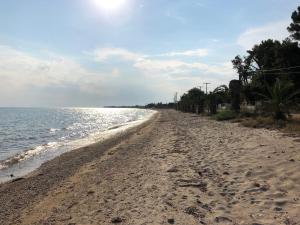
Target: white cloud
105,53
197,52
149,64
22,74
252,36
33,71
54,80
166,76
183,69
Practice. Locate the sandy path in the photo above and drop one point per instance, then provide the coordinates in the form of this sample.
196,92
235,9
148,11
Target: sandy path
180,169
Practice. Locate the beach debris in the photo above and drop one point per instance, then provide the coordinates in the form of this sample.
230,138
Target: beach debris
258,188
64,217
116,220
194,211
72,204
90,192
248,173
277,209
17,179
172,170
281,202
193,183
171,221
221,219
204,206
210,194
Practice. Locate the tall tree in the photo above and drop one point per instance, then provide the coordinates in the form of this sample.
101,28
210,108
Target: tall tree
235,93
266,62
192,101
294,27
243,68
197,98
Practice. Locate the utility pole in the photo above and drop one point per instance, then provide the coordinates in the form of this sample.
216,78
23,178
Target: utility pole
175,97
206,86
176,100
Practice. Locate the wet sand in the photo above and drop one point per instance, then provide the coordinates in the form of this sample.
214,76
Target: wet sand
175,169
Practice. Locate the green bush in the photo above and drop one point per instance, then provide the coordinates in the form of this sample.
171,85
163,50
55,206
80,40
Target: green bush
225,115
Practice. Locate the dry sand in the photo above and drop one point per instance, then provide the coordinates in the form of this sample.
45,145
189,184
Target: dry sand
176,169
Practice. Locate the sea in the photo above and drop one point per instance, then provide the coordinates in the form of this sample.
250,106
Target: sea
32,136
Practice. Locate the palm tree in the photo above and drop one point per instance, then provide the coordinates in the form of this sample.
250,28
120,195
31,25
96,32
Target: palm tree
280,98
218,96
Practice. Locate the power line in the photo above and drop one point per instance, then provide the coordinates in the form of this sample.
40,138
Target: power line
287,68
281,73
287,73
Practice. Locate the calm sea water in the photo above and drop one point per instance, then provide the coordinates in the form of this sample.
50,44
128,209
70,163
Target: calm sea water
31,136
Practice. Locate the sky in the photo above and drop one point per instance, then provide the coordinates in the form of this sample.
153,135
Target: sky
93,53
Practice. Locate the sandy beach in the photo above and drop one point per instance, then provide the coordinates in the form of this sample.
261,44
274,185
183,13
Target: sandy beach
176,168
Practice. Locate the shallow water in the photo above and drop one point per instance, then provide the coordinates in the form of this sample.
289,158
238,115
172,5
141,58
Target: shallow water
31,136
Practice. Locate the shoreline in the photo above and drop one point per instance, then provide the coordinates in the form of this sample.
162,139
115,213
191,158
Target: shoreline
93,138
177,168
54,171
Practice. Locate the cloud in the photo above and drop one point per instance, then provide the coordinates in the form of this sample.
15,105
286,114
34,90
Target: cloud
151,65
25,78
105,53
102,54
176,17
252,36
166,75
197,52
177,68
55,80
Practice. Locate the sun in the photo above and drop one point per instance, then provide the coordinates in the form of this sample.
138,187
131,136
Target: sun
110,5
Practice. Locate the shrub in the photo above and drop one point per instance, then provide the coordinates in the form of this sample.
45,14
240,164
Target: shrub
225,115
264,122
280,99
259,122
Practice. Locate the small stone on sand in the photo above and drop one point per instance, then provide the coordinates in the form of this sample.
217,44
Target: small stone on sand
116,220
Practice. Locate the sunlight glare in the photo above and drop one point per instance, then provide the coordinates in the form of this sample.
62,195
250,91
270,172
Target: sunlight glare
110,5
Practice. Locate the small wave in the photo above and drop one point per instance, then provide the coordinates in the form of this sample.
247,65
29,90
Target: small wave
50,144
25,155
74,126
116,127
53,130
69,128
2,167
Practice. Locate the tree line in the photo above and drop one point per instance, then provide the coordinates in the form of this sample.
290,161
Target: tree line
268,73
